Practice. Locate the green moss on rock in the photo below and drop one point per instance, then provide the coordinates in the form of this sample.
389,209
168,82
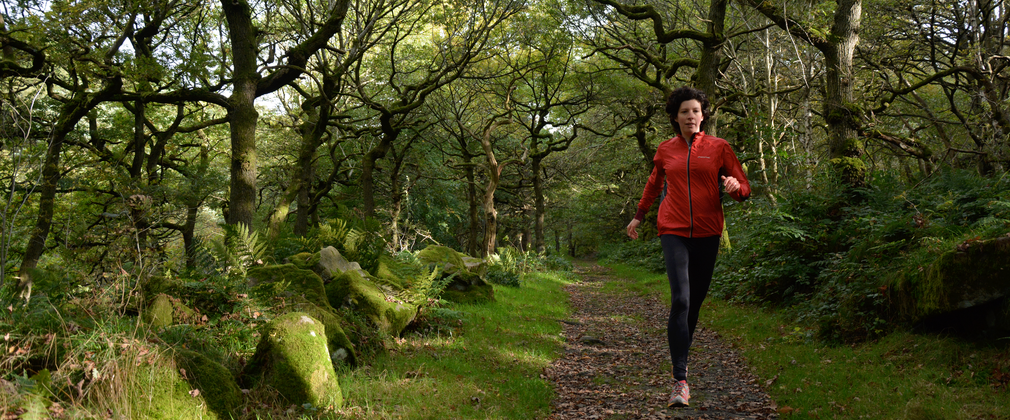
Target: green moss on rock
295,282
468,288
292,358
442,256
215,382
146,383
159,311
305,260
972,275
165,310
339,346
384,272
386,312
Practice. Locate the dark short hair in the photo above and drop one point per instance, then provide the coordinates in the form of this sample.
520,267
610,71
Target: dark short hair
678,96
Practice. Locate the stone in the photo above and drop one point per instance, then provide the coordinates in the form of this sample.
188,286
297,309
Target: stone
386,312
159,311
973,275
339,346
213,381
292,357
165,310
150,385
468,288
333,263
468,284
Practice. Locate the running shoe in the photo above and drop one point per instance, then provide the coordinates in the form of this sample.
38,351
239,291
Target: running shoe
680,395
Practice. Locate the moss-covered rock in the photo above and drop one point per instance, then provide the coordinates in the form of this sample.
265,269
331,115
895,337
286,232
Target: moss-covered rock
292,358
972,275
340,347
468,283
146,383
385,273
468,288
159,311
387,313
442,256
213,380
287,281
164,310
333,263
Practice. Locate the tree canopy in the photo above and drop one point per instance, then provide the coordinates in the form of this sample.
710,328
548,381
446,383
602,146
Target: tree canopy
130,130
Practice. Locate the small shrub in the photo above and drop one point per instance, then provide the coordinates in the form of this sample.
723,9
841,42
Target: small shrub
500,275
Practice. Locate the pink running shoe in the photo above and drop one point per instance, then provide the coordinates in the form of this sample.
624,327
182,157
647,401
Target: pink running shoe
680,395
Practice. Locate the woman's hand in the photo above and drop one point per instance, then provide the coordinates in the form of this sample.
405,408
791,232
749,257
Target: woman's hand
633,228
731,184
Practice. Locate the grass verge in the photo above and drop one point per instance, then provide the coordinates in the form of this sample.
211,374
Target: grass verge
904,375
484,364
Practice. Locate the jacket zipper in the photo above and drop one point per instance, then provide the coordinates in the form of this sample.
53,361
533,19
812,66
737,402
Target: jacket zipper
690,203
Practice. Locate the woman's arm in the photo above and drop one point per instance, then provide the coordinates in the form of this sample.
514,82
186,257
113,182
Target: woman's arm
733,177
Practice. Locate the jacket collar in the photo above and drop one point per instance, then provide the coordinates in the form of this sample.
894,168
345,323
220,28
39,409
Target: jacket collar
697,136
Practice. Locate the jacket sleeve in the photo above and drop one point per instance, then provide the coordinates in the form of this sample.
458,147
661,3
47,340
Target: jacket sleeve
731,167
652,188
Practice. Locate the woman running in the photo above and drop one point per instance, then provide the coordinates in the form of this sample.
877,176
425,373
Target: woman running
690,222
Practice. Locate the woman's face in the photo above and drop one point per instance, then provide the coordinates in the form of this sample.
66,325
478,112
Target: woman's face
689,117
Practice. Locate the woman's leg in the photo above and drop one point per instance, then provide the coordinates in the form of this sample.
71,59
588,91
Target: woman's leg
689,266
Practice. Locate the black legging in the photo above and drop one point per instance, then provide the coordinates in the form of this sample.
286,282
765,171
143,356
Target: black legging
689,265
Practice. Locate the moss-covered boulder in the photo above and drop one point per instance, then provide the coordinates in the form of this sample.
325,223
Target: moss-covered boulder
214,381
972,275
305,260
442,256
339,346
147,383
332,262
389,314
468,284
292,357
468,288
165,310
288,281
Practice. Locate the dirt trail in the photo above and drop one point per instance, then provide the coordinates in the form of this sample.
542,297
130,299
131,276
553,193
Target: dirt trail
617,366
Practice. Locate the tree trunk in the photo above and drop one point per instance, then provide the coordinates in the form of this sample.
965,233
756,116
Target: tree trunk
490,219
242,116
303,212
539,206
844,148
472,244
389,134
708,71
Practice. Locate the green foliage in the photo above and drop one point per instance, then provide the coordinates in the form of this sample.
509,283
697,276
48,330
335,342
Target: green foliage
426,287
510,264
231,254
357,240
831,257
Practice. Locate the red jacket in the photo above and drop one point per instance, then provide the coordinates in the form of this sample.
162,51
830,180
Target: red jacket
692,207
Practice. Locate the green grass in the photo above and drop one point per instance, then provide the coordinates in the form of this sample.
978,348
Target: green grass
901,376
487,368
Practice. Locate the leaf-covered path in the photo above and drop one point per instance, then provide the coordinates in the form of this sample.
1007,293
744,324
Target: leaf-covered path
616,362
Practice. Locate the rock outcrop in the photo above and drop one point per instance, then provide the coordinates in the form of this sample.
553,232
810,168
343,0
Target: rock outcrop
293,358
974,275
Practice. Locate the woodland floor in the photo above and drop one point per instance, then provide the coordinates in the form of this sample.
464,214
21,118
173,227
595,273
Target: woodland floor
616,362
